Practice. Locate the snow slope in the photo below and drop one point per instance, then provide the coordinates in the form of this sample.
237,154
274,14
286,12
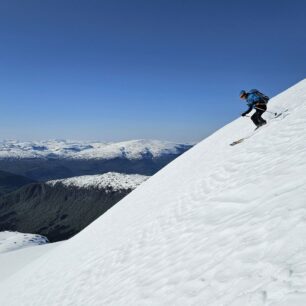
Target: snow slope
133,149
111,180
19,249
220,225
10,241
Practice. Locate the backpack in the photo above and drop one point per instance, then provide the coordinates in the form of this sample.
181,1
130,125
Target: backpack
259,94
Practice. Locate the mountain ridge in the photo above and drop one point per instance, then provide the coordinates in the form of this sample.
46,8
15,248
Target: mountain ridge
60,209
10,182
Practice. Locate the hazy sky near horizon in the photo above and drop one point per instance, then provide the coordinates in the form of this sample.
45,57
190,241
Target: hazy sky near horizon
159,69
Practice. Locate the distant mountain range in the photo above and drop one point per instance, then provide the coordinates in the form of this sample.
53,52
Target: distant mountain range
56,159
133,149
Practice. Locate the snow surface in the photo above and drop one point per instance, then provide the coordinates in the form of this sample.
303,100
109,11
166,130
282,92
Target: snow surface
133,149
111,180
219,225
11,262
10,241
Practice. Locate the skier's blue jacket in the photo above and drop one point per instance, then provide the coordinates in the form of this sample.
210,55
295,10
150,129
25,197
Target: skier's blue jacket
252,99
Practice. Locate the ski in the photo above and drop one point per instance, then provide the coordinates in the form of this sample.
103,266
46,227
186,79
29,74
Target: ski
237,141
277,115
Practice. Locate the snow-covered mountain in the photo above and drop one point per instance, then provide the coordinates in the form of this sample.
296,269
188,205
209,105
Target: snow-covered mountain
109,181
220,225
133,149
60,209
10,241
49,160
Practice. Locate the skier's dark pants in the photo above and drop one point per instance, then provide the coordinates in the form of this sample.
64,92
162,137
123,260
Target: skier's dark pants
256,117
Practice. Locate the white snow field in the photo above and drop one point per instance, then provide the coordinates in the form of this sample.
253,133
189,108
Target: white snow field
110,180
220,225
19,249
10,241
133,149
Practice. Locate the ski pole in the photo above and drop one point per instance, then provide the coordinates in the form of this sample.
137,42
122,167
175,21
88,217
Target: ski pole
275,114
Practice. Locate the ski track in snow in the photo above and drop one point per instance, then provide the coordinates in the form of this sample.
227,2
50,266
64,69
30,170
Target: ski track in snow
220,225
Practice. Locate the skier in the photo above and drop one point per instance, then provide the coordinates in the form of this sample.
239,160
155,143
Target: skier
258,101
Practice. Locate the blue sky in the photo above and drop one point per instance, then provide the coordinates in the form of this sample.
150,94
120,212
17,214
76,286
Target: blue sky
117,70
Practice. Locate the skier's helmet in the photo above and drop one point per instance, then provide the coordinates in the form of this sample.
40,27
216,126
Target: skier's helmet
242,93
